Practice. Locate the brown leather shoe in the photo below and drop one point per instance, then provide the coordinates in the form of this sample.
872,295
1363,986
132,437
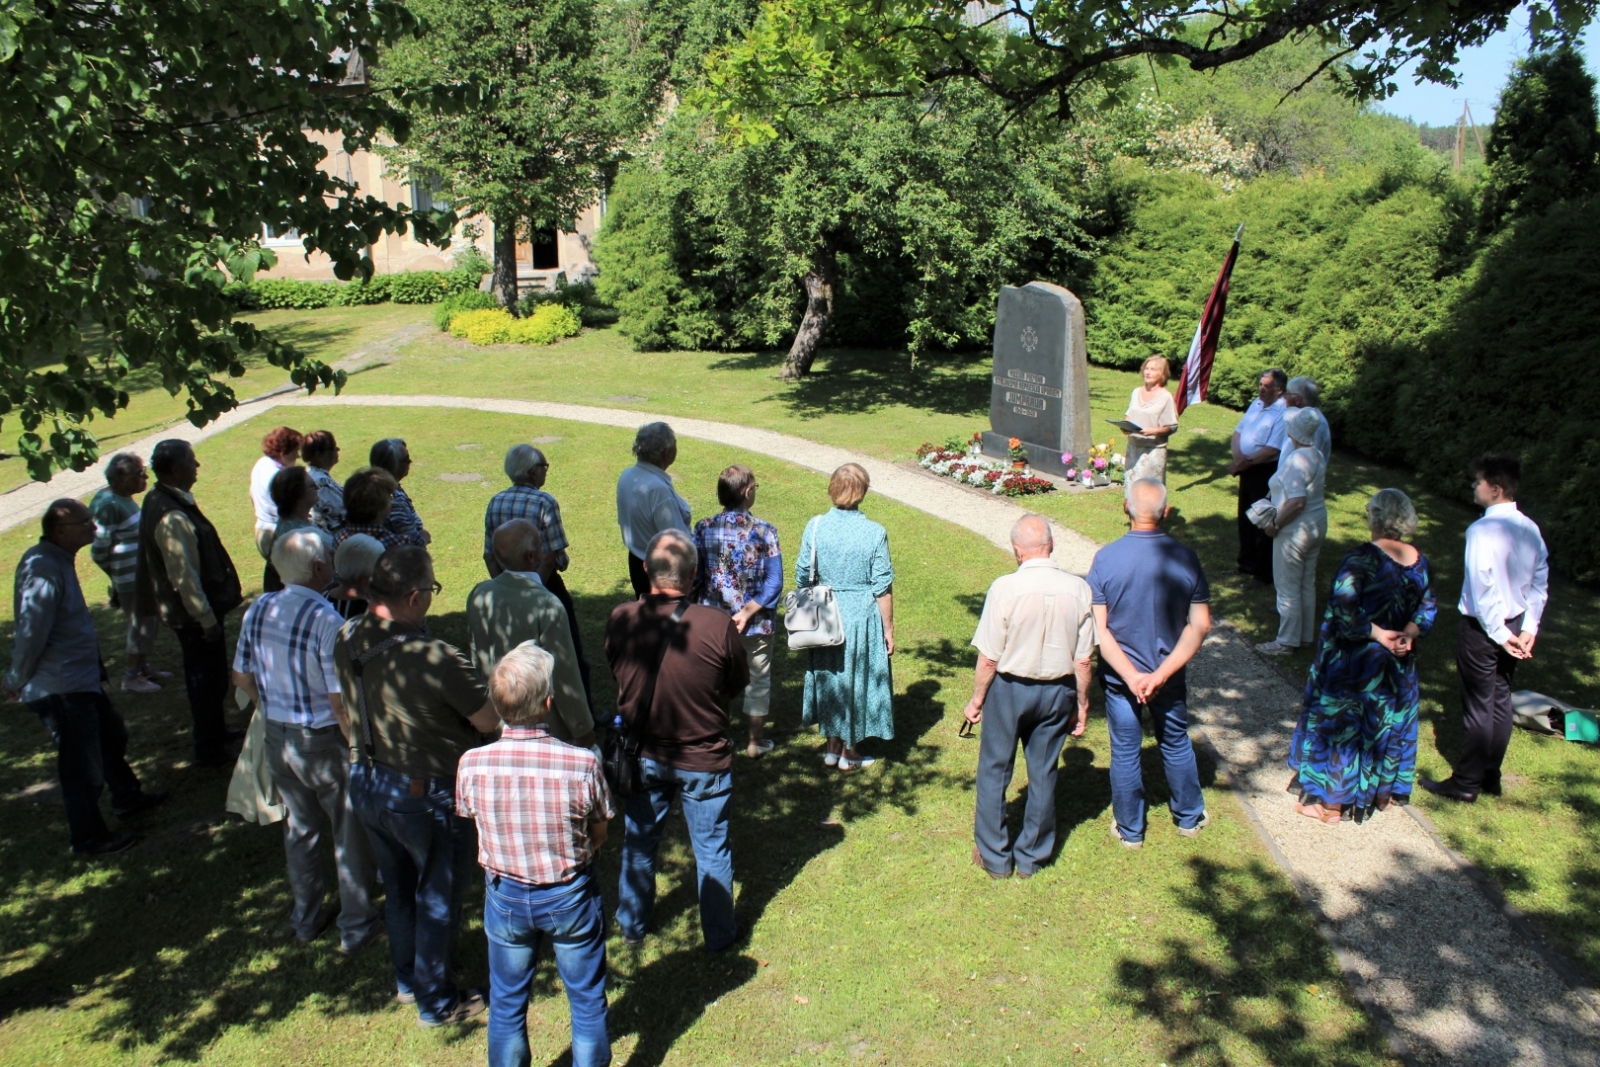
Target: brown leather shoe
977,861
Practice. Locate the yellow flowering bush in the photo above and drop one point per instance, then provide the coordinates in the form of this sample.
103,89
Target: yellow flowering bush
495,326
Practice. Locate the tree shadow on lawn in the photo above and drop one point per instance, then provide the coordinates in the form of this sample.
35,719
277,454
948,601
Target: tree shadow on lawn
854,381
1255,993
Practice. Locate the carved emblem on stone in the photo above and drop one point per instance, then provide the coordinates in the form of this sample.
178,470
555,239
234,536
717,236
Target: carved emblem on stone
1030,338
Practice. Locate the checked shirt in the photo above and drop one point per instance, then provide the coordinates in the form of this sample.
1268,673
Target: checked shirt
286,641
533,798
535,505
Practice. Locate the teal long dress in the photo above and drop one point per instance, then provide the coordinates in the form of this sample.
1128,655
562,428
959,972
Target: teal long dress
848,690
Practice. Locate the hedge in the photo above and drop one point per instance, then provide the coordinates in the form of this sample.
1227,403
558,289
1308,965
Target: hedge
413,287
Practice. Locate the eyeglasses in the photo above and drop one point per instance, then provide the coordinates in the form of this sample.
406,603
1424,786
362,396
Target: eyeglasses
76,522
435,589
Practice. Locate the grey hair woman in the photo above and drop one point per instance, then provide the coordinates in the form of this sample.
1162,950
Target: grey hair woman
1355,748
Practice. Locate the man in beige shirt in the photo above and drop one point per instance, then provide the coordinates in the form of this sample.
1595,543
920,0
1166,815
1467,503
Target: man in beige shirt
514,606
1033,643
184,574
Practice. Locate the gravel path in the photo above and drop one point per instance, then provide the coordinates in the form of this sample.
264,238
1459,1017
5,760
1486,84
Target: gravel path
1454,979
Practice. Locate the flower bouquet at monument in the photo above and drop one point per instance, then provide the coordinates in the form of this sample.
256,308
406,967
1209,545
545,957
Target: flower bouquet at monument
980,473
1017,451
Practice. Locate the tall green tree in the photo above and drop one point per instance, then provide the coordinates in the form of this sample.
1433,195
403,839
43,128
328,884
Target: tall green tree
1057,53
1544,146
889,222
533,150
145,145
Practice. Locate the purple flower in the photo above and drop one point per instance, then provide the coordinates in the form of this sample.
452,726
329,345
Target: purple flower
1100,464
1071,471
1066,457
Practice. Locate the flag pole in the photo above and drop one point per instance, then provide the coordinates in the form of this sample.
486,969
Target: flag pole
1195,384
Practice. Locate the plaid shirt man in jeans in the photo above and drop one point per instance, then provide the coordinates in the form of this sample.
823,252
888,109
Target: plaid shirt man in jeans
542,809
284,659
526,499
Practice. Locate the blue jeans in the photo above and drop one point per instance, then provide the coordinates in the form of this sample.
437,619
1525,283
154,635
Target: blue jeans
516,917
705,808
1169,714
91,745
426,854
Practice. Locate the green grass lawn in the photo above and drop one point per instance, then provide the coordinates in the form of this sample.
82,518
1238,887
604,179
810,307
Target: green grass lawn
872,937
1538,841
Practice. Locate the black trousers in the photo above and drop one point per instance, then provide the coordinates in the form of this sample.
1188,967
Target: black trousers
205,675
1486,670
637,575
559,587
1255,547
91,746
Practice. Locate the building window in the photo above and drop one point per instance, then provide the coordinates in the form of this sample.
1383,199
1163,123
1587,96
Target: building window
546,253
279,235
426,185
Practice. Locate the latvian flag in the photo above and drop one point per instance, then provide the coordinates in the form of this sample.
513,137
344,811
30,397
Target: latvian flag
1196,380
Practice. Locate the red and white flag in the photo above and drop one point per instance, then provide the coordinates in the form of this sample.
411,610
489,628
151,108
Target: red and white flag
1195,383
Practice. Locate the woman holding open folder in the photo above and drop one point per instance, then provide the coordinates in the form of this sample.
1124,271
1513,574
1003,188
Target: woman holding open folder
1151,407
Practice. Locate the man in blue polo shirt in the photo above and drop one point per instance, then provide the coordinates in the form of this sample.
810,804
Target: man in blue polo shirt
1151,611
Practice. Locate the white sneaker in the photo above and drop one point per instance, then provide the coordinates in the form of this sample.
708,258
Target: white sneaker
830,759
857,763
138,683
1272,648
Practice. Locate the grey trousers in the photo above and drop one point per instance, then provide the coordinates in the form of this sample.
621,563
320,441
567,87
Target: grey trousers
311,769
1039,714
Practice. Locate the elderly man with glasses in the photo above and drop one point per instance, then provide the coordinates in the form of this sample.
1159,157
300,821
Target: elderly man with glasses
528,468
56,669
416,705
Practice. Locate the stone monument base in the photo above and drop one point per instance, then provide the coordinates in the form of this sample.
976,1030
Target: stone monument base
1040,458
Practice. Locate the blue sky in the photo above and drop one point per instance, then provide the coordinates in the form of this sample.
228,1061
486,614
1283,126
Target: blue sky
1483,74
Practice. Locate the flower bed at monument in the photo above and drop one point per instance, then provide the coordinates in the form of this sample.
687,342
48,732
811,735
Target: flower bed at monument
997,477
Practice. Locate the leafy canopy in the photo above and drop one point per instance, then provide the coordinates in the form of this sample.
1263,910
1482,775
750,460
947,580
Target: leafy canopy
1032,52
531,149
146,144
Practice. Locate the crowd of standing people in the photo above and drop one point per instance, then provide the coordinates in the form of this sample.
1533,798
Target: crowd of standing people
420,761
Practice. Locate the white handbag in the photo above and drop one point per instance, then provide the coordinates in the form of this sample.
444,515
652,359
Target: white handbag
810,613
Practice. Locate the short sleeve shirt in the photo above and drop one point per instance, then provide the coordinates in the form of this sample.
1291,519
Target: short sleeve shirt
419,693
1147,580
1262,426
1036,622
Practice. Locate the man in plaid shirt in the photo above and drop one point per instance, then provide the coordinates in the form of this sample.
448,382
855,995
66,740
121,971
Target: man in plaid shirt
542,809
284,660
526,499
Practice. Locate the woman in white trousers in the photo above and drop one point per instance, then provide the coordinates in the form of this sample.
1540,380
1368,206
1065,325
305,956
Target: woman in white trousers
1297,534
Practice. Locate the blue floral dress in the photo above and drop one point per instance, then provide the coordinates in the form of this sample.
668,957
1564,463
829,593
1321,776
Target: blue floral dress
848,689
1356,741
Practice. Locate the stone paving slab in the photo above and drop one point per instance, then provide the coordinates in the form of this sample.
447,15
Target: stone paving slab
1422,946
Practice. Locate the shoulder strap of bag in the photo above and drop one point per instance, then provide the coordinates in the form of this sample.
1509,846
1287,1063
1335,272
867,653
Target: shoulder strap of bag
647,698
811,535
358,665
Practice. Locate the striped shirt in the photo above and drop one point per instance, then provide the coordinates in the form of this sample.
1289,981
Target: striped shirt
535,505
286,641
404,521
533,798
116,538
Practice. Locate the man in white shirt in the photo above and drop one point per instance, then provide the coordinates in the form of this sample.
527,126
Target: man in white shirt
1256,443
646,501
1503,594
1033,642
1305,393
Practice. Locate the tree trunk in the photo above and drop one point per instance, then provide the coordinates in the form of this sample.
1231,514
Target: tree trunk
504,283
819,309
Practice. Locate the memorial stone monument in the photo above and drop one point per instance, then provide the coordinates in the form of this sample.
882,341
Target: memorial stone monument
1041,376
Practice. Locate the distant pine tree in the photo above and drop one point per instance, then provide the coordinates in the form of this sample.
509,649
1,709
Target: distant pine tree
1544,146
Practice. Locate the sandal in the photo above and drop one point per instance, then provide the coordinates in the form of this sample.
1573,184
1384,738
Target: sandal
757,749
847,765
1328,814
830,759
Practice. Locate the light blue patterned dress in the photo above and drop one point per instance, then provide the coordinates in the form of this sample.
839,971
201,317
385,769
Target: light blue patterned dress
848,690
